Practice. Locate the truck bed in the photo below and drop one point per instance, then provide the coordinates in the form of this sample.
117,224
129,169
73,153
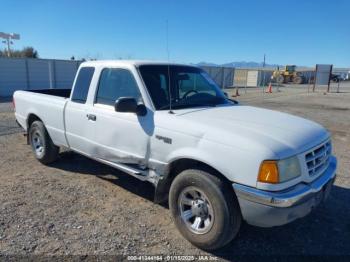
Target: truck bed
54,92
46,104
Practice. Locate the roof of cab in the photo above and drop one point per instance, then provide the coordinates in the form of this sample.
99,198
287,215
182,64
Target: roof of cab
128,63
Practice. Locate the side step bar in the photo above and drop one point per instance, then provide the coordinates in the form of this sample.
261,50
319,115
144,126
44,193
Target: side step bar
125,168
142,174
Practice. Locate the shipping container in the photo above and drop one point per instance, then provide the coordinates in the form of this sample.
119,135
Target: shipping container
252,77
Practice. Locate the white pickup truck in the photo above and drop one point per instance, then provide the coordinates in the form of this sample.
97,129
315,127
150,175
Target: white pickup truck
216,161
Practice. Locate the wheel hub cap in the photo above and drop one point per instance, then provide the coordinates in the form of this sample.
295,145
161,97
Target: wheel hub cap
199,208
37,144
196,210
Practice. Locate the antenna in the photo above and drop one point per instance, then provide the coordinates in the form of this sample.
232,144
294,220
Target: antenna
167,50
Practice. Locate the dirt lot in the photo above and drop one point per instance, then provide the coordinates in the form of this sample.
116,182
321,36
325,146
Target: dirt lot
80,207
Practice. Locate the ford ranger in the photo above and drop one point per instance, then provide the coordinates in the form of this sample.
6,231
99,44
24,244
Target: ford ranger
216,161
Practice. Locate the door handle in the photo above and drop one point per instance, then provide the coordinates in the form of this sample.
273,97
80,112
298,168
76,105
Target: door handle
91,117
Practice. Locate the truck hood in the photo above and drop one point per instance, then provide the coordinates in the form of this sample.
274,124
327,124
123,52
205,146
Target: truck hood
253,129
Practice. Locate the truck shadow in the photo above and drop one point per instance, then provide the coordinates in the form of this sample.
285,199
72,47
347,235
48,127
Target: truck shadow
73,162
326,231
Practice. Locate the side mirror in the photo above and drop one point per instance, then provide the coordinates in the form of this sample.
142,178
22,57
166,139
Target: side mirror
129,105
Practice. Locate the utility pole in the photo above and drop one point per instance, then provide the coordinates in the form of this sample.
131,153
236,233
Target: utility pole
8,40
263,71
264,63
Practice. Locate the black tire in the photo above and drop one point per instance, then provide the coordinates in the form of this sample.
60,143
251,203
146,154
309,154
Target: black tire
298,80
43,147
280,79
223,203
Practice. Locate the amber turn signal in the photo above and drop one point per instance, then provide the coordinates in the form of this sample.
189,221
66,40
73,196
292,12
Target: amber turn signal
268,172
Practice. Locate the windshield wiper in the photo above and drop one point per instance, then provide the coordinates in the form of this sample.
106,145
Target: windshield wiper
179,106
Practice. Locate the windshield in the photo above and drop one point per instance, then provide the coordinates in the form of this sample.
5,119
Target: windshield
189,87
290,68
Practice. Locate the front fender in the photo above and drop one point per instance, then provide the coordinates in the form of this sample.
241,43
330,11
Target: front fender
236,165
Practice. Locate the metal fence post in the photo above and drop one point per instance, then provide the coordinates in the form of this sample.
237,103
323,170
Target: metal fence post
313,88
245,82
329,79
52,78
54,73
27,74
50,74
223,78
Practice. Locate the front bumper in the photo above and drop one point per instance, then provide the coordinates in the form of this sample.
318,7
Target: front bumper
268,209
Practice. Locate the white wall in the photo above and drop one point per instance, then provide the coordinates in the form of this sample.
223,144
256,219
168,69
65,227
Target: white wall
29,73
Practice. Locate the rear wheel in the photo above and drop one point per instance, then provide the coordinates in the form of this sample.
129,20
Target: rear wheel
43,147
204,208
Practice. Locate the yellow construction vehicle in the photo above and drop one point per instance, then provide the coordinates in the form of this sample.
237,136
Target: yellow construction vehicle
288,74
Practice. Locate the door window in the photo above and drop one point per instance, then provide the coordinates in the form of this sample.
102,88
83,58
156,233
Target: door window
115,83
82,84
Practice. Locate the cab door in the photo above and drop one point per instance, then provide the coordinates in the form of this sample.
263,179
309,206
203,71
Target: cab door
79,128
120,137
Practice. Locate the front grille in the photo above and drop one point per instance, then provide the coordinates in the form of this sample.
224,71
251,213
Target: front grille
317,159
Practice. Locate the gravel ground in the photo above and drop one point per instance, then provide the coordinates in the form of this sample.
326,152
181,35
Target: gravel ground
77,206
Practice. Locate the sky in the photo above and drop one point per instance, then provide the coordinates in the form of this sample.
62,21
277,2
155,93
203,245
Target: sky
297,32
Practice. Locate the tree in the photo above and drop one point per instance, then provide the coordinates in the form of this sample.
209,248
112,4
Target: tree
29,52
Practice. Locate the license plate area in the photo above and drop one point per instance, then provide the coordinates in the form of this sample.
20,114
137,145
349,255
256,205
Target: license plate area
323,193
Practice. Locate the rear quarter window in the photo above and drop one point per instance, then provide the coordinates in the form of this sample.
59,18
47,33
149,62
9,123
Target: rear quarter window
81,87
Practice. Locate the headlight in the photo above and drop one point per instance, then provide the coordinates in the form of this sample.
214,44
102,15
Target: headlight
274,172
289,168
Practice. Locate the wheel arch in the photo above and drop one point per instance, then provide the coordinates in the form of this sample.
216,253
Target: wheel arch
31,118
176,167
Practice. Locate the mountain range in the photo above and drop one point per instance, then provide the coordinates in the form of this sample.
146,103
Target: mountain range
240,64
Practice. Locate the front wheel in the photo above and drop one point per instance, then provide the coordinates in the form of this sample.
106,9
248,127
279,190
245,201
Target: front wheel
43,147
204,208
280,79
298,80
